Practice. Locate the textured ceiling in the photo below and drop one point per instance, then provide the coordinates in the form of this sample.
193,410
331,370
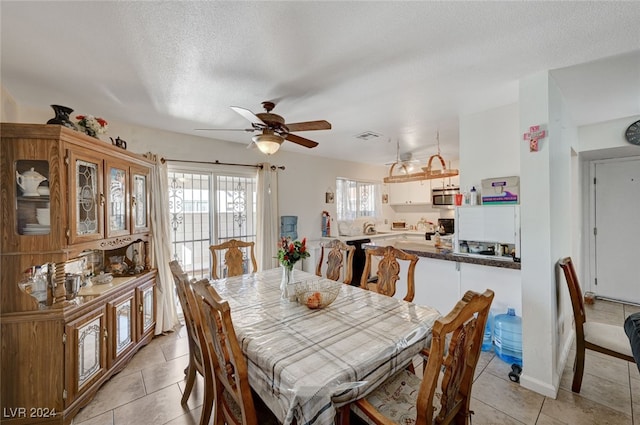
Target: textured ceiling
403,70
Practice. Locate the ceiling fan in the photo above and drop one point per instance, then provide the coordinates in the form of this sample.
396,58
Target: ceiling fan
405,163
273,130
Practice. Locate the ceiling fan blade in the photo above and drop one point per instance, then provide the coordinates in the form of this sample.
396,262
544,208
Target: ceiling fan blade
309,125
249,130
301,141
248,115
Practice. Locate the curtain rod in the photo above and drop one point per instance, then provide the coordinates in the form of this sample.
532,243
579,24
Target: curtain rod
216,162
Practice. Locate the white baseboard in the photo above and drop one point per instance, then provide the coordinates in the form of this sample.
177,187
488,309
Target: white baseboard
538,386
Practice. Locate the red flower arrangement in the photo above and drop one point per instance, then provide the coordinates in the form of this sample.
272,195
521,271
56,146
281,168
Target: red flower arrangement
291,252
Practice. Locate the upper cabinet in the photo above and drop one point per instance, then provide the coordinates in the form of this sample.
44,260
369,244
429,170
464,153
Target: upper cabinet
70,190
110,196
411,193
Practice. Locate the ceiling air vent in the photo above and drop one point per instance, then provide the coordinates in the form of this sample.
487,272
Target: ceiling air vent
367,135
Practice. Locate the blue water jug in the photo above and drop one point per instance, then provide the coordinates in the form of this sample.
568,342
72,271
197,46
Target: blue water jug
487,341
507,337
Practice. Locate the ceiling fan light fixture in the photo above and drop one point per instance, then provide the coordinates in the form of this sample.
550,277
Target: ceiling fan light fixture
268,143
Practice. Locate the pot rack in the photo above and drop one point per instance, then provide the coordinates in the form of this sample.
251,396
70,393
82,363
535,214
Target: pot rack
427,173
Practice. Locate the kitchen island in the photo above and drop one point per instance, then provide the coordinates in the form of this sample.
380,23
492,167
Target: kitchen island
428,249
442,276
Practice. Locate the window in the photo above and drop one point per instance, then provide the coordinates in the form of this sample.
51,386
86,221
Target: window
209,208
356,199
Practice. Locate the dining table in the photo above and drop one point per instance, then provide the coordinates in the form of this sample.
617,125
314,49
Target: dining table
306,363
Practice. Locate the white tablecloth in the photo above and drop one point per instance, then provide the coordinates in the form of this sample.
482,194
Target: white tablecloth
305,363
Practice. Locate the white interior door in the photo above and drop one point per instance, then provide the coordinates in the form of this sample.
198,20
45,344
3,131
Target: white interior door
617,220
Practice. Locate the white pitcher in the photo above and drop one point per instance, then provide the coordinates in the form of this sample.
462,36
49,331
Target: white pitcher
29,182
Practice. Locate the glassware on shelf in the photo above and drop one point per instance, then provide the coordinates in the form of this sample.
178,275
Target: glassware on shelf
117,266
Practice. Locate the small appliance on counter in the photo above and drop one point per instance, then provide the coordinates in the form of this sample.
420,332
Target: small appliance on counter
399,225
446,226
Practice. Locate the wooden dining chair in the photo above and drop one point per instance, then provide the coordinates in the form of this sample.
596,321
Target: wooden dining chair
339,261
234,401
236,253
196,341
443,395
388,272
601,337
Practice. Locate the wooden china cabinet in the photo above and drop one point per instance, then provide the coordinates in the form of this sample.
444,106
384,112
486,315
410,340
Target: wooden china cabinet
68,204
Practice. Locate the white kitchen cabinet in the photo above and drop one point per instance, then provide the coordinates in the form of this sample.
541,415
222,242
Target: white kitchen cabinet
505,283
410,193
491,223
437,284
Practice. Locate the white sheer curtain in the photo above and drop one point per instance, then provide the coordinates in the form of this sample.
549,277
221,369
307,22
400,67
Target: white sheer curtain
166,314
355,199
267,234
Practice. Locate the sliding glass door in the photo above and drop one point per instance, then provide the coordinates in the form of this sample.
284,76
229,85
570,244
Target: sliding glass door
208,208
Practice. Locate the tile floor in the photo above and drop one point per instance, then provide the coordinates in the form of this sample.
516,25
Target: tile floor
149,389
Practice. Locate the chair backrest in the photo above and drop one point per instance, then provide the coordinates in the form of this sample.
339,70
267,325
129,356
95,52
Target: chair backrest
577,302
233,396
388,272
234,257
190,312
339,261
455,348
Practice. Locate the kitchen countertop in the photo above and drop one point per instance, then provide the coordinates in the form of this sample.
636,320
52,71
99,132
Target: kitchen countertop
378,235
425,249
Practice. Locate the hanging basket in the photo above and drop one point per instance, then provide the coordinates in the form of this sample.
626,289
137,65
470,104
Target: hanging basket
428,170
427,174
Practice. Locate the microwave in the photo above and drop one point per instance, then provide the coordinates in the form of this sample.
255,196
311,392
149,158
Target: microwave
444,197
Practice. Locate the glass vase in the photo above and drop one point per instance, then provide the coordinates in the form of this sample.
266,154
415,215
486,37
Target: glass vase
286,284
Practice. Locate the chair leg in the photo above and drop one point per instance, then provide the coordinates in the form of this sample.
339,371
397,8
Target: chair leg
578,368
207,405
343,415
191,379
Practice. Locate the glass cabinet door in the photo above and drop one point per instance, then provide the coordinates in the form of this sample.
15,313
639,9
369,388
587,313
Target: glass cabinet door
87,198
33,215
122,326
140,200
147,305
88,350
117,200
124,336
